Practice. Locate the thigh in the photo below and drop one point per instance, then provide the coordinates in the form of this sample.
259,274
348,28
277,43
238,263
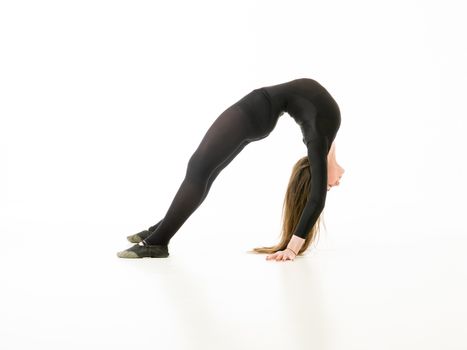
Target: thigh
232,128
224,139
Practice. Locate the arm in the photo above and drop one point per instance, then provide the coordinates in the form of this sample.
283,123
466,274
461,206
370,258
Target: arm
317,155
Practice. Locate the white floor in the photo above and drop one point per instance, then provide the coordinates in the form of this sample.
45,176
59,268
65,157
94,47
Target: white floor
341,295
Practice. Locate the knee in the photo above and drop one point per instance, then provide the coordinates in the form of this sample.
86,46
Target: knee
198,167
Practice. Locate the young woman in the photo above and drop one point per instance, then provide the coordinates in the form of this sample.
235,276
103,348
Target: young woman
252,118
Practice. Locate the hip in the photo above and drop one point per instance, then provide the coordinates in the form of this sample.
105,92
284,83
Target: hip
257,105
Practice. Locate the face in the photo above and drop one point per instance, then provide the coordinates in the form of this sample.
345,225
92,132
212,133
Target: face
335,172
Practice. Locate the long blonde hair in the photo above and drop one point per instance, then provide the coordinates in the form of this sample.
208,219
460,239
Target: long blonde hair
295,200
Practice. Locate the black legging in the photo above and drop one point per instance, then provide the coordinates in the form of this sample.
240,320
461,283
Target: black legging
249,119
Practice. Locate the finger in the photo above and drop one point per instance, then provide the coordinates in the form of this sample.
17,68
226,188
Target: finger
271,256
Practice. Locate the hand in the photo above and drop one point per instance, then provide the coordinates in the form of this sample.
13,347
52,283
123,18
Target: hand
282,255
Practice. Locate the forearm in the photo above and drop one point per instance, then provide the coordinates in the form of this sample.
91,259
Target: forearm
295,244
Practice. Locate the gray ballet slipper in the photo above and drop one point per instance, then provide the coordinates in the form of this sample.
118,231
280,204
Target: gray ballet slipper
138,237
144,251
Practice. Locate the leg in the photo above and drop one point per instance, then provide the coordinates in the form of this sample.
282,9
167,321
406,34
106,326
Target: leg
138,237
226,137
221,167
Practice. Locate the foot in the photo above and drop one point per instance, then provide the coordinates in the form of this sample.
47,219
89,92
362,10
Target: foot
138,237
141,250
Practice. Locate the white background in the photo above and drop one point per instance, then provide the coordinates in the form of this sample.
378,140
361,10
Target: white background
103,102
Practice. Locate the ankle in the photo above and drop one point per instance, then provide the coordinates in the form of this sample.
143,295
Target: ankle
146,244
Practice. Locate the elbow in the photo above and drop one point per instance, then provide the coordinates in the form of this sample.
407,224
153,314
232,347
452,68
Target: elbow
319,204
320,208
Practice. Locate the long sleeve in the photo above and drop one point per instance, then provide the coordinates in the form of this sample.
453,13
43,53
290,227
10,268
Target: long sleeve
317,155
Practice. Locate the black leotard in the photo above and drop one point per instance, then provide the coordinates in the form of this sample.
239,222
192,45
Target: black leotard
252,118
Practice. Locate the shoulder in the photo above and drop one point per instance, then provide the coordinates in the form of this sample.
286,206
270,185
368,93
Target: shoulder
318,144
